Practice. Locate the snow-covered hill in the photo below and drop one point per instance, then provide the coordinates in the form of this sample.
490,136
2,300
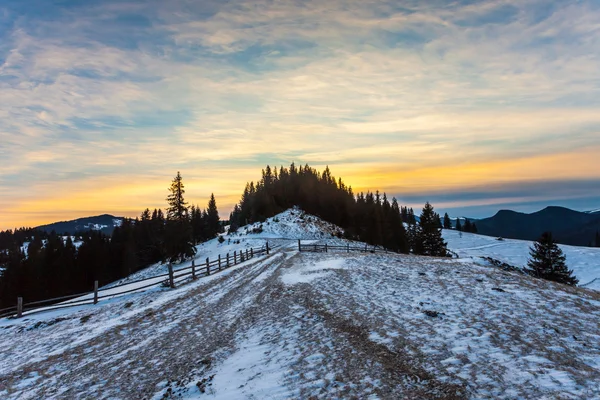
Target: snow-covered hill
316,325
584,261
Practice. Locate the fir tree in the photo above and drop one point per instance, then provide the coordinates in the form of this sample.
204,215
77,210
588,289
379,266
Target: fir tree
447,222
458,225
178,240
467,227
212,218
429,234
177,210
548,261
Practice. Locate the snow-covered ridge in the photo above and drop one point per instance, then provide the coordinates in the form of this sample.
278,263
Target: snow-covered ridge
280,230
291,224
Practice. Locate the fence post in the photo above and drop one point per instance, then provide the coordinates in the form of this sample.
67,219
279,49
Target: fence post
251,253
194,269
219,262
19,307
325,247
207,267
234,257
348,247
246,254
171,279
95,292
227,260
267,247
299,246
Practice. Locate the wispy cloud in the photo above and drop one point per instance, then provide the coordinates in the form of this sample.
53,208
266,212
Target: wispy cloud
108,98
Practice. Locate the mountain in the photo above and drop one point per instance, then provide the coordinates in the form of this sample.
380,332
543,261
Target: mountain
105,223
567,226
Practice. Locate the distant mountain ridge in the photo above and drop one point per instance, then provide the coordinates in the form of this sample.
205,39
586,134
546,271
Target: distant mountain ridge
568,226
105,223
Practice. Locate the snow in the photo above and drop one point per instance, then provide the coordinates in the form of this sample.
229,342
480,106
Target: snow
319,325
95,227
303,274
584,261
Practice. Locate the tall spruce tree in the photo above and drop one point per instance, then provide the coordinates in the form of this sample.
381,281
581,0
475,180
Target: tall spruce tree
178,209
548,261
429,234
179,234
212,218
447,223
458,225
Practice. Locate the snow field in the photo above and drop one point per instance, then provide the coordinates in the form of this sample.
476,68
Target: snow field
326,325
584,261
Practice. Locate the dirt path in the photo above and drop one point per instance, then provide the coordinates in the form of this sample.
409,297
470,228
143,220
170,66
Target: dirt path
312,326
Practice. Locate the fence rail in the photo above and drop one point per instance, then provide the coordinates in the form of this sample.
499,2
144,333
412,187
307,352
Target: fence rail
324,248
204,268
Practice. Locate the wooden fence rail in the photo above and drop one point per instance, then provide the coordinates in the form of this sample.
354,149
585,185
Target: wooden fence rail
318,248
172,277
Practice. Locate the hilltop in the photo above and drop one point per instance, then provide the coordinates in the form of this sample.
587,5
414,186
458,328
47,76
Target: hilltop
326,325
105,223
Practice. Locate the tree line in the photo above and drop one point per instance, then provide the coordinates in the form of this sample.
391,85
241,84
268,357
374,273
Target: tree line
368,217
37,265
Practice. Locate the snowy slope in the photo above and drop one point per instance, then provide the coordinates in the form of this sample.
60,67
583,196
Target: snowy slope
316,325
283,229
584,261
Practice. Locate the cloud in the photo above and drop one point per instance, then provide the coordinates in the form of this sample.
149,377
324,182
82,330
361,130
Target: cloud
96,94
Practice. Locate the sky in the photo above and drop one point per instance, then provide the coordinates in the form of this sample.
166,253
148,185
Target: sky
474,106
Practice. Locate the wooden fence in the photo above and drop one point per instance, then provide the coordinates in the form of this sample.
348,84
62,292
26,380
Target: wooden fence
170,279
348,247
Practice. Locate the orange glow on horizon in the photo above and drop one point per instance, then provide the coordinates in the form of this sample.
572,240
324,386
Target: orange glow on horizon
124,198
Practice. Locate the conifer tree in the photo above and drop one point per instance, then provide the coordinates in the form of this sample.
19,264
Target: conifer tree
212,218
179,240
458,225
447,223
178,209
429,234
467,227
547,261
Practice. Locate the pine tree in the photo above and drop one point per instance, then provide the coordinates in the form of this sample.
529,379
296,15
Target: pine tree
548,261
447,223
429,234
458,225
179,234
177,209
212,218
467,227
